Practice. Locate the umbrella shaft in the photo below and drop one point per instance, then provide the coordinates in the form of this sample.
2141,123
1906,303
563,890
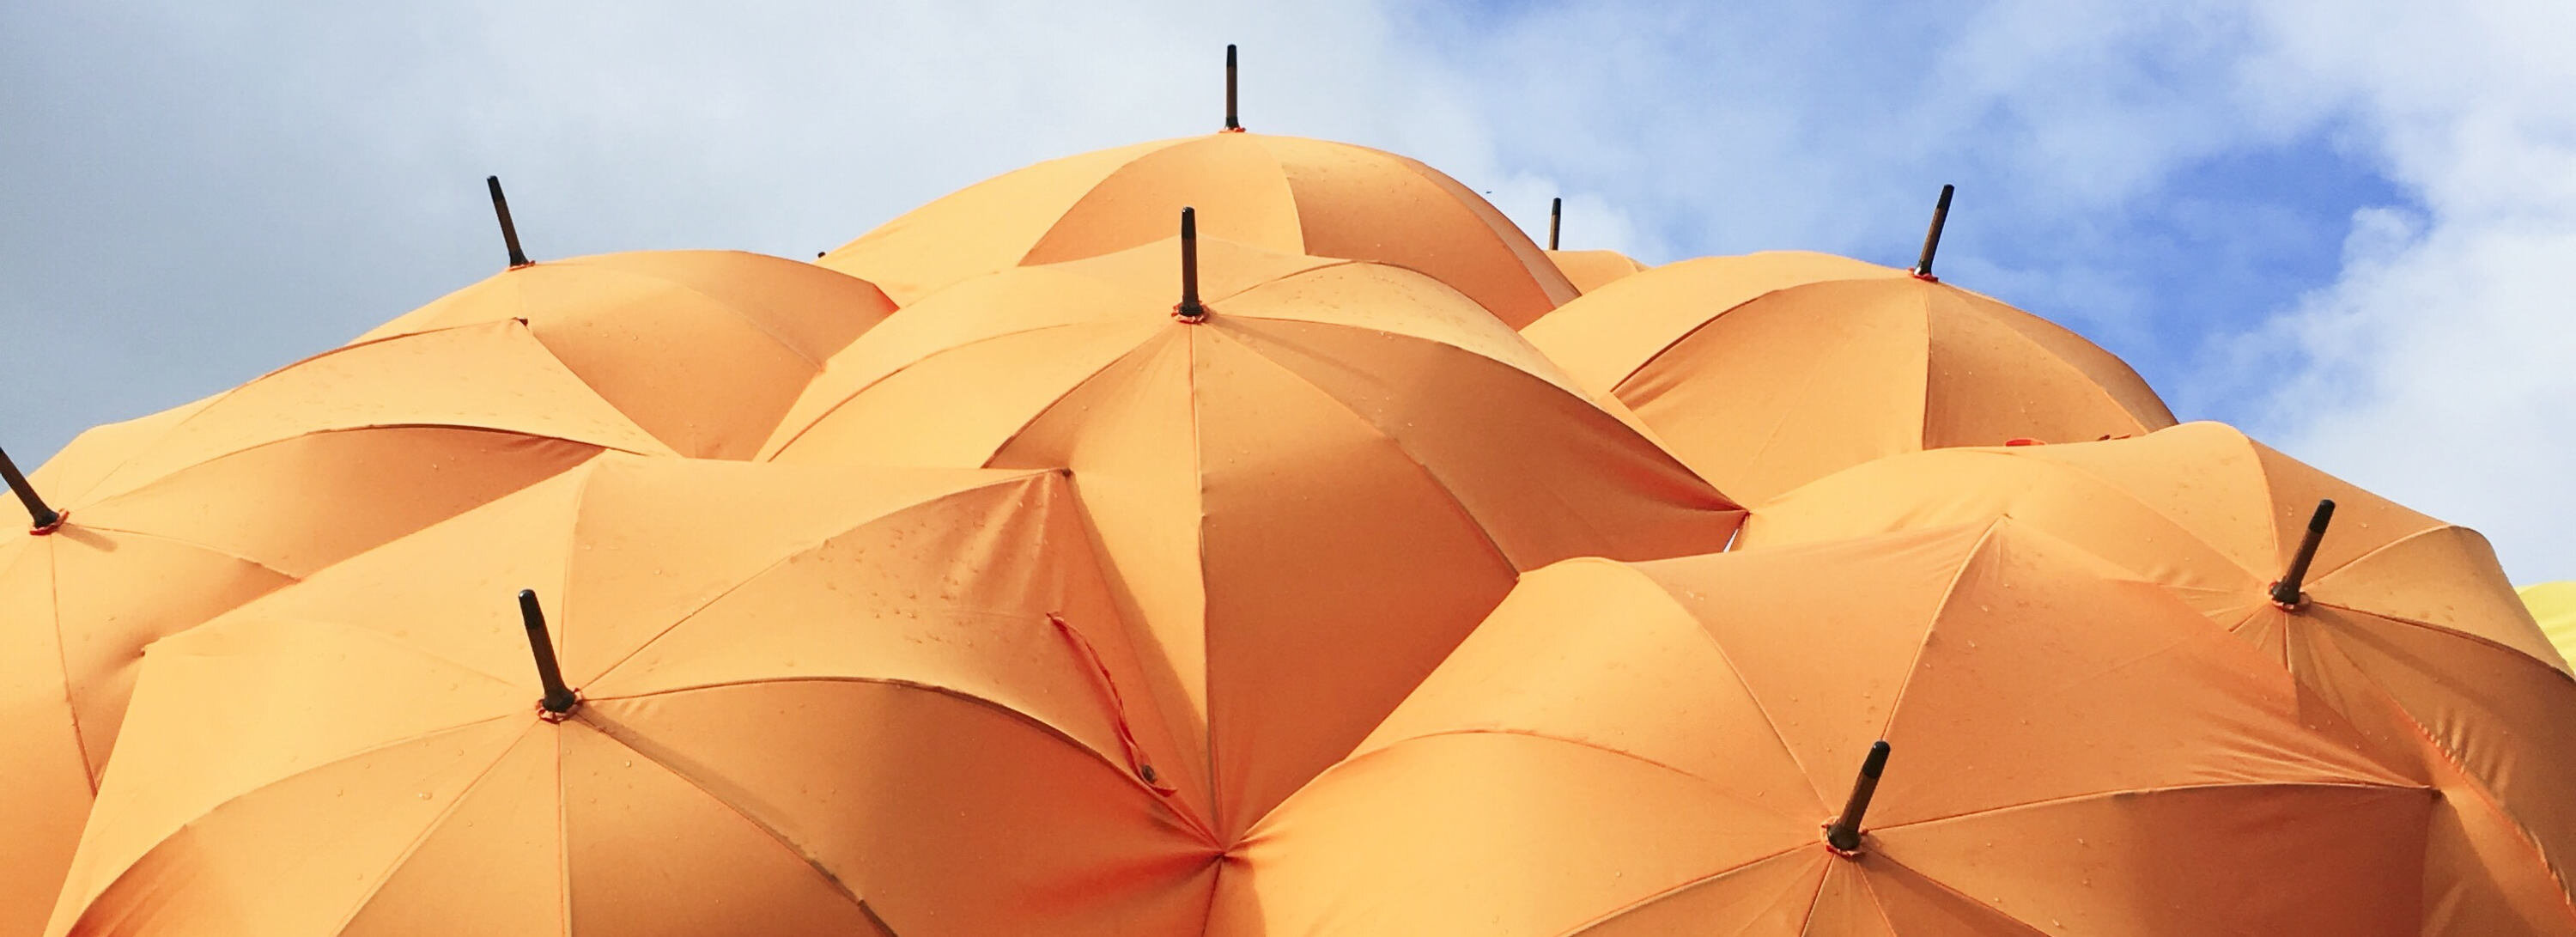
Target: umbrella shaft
1932,238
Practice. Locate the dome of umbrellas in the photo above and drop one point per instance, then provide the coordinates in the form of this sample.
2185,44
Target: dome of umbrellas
1248,536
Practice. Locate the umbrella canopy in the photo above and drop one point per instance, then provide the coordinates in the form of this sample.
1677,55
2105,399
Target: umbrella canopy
1770,370
1306,495
172,519
1285,194
1658,748
2403,623
1592,270
2553,605
703,349
793,701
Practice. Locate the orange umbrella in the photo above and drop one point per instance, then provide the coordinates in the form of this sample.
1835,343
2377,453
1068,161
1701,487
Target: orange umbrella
1769,370
1309,484
704,349
2403,623
168,520
766,700
1285,194
1686,747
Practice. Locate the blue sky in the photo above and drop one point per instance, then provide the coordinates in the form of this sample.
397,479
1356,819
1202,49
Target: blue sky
2329,222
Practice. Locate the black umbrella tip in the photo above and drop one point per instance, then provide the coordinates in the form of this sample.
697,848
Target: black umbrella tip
559,700
1932,238
2288,592
509,231
1233,123
1842,835
1189,309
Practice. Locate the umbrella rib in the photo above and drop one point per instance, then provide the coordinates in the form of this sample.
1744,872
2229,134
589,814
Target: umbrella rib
1923,398
81,496
1642,903
1914,664
194,545
1423,173
1815,369
1737,671
773,566
2318,576
817,420
427,830
2477,785
2118,489
132,866
809,861
62,659
563,853
2443,630
218,401
1087,189
1876,905
2138,791
1697,327
1296,217
460,427
1559,739
1198,552
1005,709
2032,929
405,646
1473,521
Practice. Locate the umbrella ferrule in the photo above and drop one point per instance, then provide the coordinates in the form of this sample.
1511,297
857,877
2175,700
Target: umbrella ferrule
1555,220
42,518
559,700
1843,834
509,232
1232,125
2286,592
1189,309
1932,238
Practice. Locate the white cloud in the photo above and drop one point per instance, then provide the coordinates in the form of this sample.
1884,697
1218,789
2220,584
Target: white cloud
2442,364
198,192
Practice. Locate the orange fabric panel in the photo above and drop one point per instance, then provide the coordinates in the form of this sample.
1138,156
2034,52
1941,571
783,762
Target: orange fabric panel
1768,371
704,349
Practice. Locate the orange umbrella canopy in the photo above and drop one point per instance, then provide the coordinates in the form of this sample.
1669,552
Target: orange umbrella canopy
796,701
1769,370
176,517
2403,623
1592,270
1657,748
1285,194
1306,497
703,349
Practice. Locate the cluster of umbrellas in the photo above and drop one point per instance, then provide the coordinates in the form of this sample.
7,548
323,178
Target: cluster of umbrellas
1248,535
